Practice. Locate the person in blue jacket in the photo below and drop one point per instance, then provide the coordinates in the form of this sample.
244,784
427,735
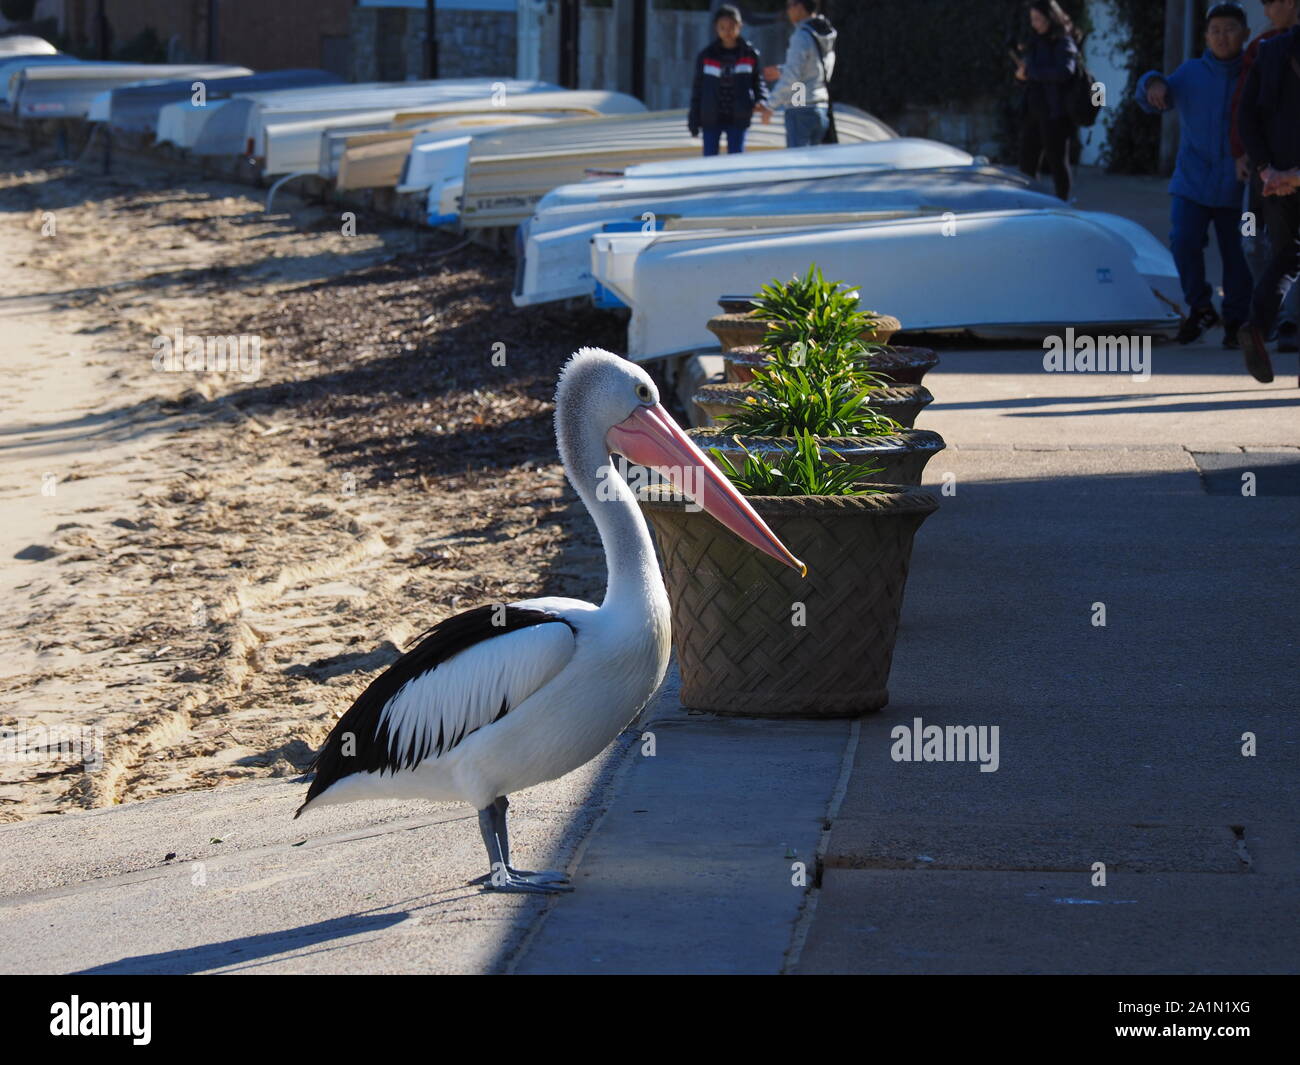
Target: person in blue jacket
1205,189
728,86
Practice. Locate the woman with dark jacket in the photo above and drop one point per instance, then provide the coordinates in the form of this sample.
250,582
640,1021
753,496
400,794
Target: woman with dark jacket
728,85
1047,66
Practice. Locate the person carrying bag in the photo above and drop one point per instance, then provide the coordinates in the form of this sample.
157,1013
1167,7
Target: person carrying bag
803,81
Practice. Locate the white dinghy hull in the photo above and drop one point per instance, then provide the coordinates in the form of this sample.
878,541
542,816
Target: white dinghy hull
554,245
240,126
998,275
58,91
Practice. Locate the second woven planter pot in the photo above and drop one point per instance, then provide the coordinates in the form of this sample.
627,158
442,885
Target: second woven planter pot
900,458
753,638
744,330
903,403
901,365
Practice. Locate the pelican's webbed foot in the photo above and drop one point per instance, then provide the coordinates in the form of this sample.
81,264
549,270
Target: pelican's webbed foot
503,877
513,881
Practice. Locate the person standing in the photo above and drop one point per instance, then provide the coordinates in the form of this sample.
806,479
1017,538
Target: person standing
1047,66
1269,120
803,80
1283,15
1205,191
728,87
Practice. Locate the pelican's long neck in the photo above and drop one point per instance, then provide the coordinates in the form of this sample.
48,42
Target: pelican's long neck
634,580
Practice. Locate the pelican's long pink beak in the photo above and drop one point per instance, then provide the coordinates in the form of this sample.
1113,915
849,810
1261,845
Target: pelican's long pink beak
651,438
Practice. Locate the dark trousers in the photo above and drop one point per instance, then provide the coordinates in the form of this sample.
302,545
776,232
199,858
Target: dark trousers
713,138
1259,251
1187,242
1281,216
1047,140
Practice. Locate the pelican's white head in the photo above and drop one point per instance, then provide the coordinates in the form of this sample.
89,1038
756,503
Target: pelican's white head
604,398
599,389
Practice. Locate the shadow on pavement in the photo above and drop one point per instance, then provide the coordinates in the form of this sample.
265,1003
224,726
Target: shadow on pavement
247,948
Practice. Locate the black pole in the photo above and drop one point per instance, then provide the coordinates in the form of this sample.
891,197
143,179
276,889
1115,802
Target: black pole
211,55
570,29
640,17
431,37
101,29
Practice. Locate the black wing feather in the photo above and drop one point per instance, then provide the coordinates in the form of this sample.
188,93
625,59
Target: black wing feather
364,719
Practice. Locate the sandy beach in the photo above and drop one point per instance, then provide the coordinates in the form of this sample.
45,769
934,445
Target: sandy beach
205,568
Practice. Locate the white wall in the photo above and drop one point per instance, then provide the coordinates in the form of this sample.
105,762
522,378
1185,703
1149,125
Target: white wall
1108,63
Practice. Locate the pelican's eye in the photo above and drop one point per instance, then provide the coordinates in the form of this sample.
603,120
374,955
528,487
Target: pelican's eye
643,393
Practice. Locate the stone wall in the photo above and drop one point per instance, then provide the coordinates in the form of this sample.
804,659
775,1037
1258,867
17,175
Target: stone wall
284,34
388,44
977,127
598,51
476,44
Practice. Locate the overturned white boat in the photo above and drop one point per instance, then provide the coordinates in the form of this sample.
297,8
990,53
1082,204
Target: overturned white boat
287,144
51,90
143,107
696,173
241,127
498,177
552,247
13,65
238,128
373,154
996,275
135,107
20,44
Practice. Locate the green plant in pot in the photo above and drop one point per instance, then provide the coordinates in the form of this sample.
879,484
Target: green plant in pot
822,390
755,639
812,308
899,406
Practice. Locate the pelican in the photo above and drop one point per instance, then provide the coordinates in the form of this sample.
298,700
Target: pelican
510,695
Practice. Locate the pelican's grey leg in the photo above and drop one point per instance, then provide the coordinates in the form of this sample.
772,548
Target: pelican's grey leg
501,805
500,877
488,830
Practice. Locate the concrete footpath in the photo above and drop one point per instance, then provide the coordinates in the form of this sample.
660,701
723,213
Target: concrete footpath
1119,744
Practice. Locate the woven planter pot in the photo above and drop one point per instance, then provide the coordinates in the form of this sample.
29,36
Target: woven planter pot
755,639
900,458
744,330
903,365
903,403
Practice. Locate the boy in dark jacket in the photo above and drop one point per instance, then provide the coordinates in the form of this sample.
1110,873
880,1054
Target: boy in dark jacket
728,86
1205,189
1269,122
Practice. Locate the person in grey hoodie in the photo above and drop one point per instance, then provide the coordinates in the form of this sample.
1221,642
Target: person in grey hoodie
801,81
